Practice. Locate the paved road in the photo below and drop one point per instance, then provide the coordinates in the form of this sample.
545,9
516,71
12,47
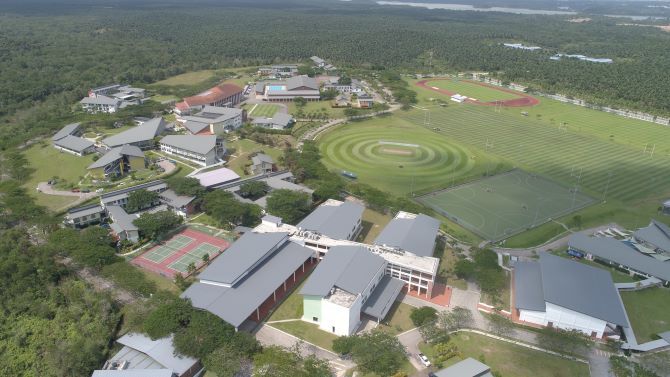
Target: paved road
47,189
268,335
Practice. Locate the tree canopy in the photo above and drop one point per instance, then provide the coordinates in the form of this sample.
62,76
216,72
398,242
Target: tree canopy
156,225
290,205
141,199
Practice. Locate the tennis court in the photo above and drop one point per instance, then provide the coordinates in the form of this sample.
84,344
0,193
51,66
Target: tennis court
176,254
506,204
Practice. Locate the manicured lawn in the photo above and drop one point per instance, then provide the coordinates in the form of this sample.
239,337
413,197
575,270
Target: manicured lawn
510,360
264,110
373,223
397,320
648,311
309,332
48,162
398,156
291,308
317,107
471,90
245,147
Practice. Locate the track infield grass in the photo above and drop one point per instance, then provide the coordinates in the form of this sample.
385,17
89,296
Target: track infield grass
471,90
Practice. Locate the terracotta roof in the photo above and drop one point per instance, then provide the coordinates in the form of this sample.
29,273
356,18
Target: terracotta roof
214,94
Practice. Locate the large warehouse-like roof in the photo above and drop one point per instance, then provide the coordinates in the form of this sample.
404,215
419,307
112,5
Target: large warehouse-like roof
415,234
333,219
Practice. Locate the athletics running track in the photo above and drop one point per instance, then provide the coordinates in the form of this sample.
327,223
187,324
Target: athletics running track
523,100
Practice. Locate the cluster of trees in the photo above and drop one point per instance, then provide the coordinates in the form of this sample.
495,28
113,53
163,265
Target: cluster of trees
254,190
435,330
374,352
230,212
484,269
156,225
141,199
307,167
290,205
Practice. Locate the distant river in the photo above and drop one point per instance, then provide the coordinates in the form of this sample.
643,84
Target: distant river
471,8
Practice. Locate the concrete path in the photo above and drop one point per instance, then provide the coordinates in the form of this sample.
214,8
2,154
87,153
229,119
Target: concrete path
47,189
411,339
268,335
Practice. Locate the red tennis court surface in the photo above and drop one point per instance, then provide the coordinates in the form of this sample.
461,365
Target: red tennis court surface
174,255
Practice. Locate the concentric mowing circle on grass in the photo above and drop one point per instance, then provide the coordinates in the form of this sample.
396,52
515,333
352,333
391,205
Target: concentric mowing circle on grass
387,155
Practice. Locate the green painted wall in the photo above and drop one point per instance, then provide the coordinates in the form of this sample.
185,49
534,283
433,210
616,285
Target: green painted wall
311,307
136,163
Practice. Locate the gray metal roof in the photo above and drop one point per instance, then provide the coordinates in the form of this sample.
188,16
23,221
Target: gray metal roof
277,183
242,256
300,81
122,219
382,298
133,373
272,219
115,154
350,268
334,221
200,144
235,305
657,234
466,368
99,100
195,127
74,143
160,350
84,211
111,196
144,132
528,293
261,158
174,200
616,251
582,288
214,114
415,235
66,130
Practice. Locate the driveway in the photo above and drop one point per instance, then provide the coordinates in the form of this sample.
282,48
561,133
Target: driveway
268,335
47,189
410,339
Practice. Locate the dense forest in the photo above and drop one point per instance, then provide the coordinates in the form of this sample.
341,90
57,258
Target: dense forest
50,54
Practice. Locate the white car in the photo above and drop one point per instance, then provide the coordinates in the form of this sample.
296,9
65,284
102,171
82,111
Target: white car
424,360
99,190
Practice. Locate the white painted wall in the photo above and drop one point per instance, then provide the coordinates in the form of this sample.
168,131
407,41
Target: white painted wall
344,320
565,319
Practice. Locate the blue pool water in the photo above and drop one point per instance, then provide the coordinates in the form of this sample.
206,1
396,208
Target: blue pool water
275,87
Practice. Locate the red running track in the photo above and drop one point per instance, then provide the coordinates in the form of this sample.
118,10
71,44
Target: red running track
162,267
523,100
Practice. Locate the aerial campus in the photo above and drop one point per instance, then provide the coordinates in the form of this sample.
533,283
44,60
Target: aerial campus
314,216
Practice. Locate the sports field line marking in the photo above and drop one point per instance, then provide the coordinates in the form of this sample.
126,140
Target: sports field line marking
398,144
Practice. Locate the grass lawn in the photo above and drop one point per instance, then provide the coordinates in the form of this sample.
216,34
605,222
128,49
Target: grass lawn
397,320
400,157
243,148
373,223
468,89
318,107
510,360
290,308
161,282
161,98
503,299
405,367
264,110
648,311
308,332
48,162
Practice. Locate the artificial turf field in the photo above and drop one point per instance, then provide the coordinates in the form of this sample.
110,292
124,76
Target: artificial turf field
264,110
503,205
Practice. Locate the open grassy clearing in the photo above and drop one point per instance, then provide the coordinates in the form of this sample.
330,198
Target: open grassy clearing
510,360
309,332
263,110
397,320
188,78
291,307
648,311
400,157
243,148
317,107
465,88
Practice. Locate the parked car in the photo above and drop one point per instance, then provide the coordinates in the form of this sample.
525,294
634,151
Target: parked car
75,190
85,191
99,190
424,360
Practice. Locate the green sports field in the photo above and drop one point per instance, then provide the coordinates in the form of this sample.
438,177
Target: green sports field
471,90
400,157
264,110
498,207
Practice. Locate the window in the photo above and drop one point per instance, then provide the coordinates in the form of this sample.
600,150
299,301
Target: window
315,319
333,328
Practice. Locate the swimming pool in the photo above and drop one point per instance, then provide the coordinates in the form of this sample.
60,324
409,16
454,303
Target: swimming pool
276,87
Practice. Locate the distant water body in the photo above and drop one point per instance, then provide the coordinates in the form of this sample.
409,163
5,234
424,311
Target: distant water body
447,6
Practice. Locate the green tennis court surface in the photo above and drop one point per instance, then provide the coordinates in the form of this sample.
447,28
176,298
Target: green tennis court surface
162,252
194,256
506,204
